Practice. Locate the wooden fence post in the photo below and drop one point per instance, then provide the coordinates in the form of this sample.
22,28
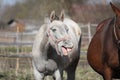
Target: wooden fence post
17,40
89,32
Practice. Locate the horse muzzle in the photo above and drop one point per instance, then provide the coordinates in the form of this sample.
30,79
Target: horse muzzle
65,47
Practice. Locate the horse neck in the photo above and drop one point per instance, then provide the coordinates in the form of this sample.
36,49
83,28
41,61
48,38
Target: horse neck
111,35
109,46
115,36
44,44
40,45
116,39
108,34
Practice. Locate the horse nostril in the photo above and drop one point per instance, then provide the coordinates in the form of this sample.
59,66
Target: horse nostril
68,43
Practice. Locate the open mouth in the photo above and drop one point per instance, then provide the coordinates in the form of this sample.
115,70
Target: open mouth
66,50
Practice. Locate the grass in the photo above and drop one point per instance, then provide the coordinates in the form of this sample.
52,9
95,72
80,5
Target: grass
86,73
83,73
10,75
7,70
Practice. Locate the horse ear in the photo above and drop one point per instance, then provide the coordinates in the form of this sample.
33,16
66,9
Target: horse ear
115,9
61,17
52,16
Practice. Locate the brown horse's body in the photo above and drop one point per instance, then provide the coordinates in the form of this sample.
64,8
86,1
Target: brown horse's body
103,52
104,57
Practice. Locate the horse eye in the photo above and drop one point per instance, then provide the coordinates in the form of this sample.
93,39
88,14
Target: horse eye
53,29
67,29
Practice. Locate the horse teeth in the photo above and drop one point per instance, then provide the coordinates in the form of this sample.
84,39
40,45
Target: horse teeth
69,49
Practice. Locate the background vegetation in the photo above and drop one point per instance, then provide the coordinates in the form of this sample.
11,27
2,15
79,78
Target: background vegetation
82,11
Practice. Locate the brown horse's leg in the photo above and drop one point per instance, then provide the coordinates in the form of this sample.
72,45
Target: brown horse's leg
107,73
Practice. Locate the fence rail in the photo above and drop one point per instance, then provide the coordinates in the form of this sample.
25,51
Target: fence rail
21,55
15,43
15,50
26,39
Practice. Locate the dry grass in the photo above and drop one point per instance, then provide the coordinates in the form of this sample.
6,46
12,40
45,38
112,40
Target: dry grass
84,71
7,70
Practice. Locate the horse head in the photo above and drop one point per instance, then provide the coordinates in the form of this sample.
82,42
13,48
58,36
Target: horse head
58,35
116,22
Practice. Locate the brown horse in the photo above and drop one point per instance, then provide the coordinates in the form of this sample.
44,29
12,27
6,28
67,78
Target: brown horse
104,50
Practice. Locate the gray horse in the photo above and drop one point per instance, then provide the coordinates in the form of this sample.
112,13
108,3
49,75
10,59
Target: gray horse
56,48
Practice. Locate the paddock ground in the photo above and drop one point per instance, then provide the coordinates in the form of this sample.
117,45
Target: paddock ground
24,72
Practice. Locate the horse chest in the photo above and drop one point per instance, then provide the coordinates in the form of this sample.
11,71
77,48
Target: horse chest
61,61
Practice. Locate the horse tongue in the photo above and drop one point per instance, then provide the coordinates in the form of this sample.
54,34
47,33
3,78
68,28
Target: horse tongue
64,50
68,49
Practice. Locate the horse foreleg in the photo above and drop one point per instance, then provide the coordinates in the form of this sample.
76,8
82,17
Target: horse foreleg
61,73
37,74
70,74
107,73
71,70
57,75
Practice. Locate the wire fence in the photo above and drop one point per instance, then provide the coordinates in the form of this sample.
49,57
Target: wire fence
88,30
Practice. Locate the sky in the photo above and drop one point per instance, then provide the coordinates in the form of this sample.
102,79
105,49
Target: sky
10,2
